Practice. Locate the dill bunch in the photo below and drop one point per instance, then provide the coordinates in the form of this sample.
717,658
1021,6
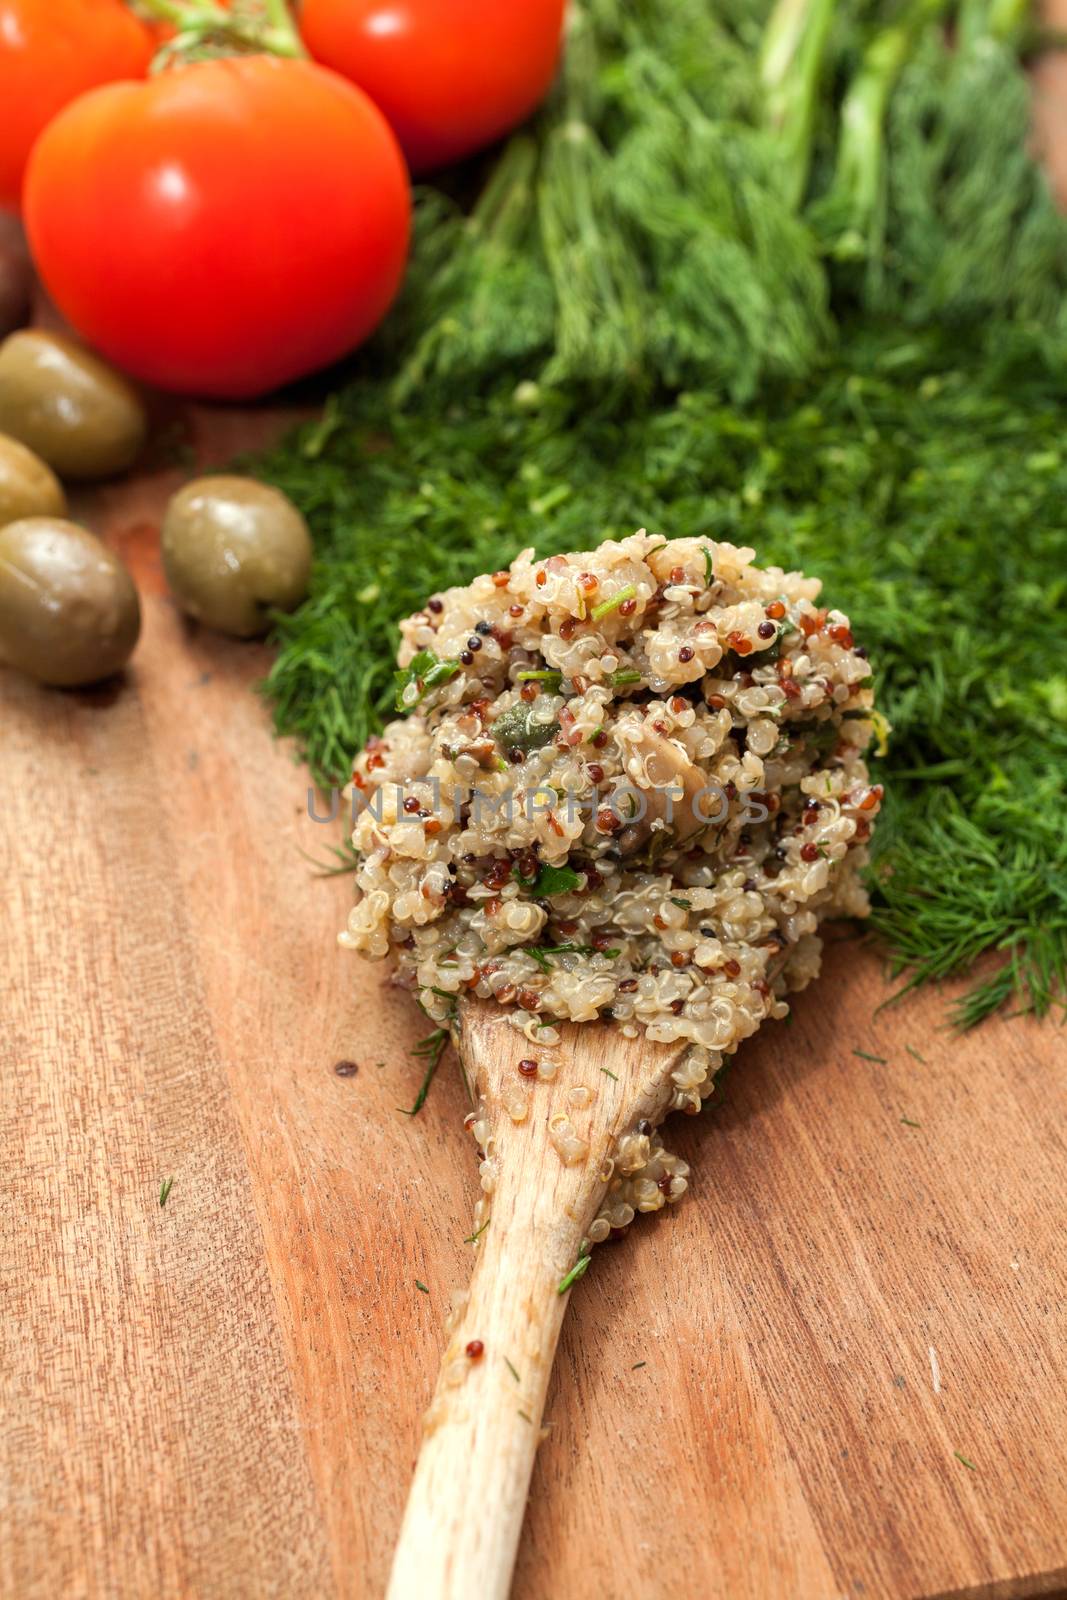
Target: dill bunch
788,278
705,181
926,487
640,236
936,207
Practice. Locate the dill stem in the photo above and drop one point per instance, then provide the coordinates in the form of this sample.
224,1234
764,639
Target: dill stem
791,62
861,157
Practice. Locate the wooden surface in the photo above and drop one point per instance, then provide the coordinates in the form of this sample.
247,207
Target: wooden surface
764,1393
222,1397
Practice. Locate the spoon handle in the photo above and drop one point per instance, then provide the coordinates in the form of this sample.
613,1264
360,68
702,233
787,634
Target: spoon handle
464,1514
550,1141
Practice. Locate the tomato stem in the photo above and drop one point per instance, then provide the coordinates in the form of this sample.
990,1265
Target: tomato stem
280,19
201,23
163,10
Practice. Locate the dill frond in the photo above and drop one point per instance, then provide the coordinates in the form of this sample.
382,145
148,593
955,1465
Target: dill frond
647,319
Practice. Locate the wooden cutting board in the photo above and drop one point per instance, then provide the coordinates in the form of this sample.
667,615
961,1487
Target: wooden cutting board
837,1368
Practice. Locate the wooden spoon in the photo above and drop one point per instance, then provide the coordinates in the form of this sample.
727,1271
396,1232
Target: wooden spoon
464,1514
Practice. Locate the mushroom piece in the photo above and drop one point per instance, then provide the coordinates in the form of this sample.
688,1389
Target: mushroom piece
675,787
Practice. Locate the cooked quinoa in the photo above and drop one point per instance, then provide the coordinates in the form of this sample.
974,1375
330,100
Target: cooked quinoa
627,784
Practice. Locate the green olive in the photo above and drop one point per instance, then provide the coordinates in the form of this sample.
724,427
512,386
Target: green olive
76,412
233,550
27,487
69,612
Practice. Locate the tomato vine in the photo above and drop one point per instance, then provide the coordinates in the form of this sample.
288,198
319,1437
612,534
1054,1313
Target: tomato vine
204,28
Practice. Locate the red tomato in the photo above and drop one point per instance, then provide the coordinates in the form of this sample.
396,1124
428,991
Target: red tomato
451,75
51,51
224,227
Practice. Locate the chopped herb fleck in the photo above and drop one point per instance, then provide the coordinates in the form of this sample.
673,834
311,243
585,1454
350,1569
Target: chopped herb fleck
576,1272
511,1369
865,1055
609,1073
423,674
526,1417
910,1048
346,856
430,1050
554,880
474,1237
616,600
638,1364
420,1285
968,1464
676,900
908,1123
541,952
164,1190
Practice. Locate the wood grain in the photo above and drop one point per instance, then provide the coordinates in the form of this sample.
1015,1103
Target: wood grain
221,1397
